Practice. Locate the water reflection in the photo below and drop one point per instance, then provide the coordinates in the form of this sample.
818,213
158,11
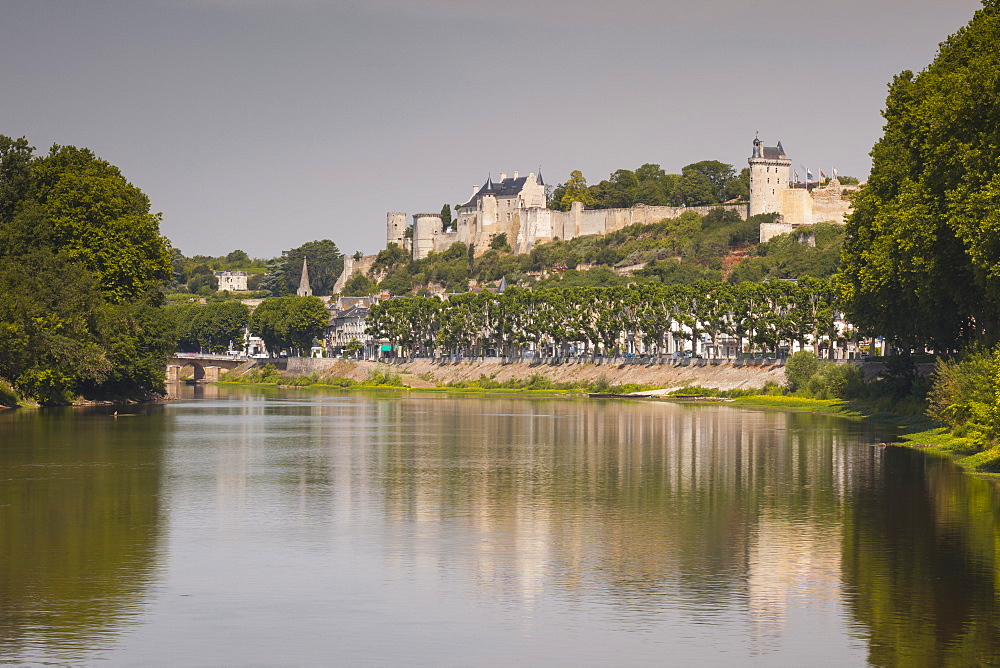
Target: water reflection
921,548
433,529
79,528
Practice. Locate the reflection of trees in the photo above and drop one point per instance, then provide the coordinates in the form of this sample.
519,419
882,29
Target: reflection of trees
79,525
636,501
921,561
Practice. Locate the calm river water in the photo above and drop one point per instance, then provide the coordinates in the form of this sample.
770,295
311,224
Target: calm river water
244,526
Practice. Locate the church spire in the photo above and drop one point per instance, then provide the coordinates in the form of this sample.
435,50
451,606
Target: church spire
304,288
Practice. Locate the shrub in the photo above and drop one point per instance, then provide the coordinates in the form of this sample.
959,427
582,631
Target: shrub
8,396
835,381
964,396
800,368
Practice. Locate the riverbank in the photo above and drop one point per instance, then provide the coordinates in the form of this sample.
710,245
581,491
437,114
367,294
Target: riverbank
425,373
961,450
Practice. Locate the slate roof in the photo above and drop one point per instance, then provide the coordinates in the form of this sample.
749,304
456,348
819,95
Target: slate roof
509,187
768,152
774,152
353,312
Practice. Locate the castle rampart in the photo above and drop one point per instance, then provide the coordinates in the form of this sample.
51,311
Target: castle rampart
516,207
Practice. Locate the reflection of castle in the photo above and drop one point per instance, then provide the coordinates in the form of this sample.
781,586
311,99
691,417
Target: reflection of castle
772,191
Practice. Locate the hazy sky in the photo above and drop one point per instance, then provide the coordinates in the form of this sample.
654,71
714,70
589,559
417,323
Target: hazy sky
263,124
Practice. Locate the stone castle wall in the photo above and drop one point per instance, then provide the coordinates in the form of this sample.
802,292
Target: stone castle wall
526,227
362,265
800,207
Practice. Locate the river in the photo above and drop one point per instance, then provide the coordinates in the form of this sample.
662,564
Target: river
244,526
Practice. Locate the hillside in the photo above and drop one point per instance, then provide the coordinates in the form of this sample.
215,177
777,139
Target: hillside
718,246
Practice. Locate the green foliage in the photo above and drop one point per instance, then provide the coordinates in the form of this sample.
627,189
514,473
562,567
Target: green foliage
262,375
210,327
799,368
359,285
238,257
81,265
383,379
793,255
920,263
835,381
289,323
325,262
9,397
446,220
574,190
499,242
965,395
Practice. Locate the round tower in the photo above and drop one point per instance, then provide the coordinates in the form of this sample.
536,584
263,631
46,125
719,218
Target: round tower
770,174
425,227
395,229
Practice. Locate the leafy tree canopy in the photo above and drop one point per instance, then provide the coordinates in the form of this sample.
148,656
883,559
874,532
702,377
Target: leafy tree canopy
325,262
289,323
81,266
921,262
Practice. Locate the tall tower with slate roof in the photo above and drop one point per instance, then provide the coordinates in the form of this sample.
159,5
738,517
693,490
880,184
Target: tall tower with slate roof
770,171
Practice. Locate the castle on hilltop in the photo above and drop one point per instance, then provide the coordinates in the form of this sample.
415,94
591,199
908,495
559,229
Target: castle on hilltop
515,206
772,190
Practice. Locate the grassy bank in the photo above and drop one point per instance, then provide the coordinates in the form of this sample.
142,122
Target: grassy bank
961,450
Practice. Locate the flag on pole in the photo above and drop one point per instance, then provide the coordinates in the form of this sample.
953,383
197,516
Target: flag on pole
821,175
796,175
834,172
809,175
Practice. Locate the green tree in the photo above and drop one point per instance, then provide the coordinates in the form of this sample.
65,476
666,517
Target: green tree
325,262
88,211
210,327
920,264
238,258
289,323
575,190
800,368
81,266
696,189
446,220
718,174
358,285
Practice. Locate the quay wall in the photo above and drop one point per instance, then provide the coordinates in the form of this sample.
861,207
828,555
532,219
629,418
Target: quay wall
428,373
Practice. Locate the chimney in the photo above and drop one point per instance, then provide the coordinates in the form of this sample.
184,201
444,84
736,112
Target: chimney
515,173
475,189
503,176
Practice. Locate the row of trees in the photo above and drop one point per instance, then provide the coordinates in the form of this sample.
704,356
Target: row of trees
633,319
699,184
283,323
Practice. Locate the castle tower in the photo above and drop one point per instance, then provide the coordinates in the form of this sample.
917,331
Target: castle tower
395,229
425,227
305,290
770,173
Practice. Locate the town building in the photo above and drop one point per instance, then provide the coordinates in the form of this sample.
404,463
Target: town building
233,281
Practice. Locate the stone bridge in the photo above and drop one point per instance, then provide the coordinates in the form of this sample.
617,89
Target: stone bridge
205,367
